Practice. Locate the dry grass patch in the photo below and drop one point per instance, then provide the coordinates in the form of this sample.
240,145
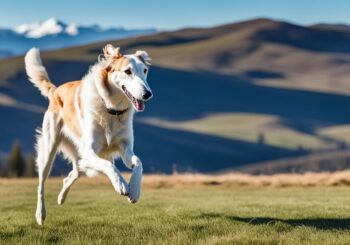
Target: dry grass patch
239,179
230,179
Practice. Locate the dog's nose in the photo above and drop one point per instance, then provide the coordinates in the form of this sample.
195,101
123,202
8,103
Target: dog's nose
147,95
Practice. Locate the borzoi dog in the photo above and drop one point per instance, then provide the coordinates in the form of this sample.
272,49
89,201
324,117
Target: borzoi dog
90,120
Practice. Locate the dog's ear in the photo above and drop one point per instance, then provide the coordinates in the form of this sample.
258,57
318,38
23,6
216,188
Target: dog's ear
111,52
143,56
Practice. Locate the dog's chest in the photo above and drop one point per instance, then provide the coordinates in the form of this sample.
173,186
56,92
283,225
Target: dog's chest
113,130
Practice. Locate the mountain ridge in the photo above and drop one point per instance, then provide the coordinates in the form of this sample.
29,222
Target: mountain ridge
55,34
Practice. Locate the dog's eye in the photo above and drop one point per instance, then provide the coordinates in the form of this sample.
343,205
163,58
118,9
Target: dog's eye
128,71
145,70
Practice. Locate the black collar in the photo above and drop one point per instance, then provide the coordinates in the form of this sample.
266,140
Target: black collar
116,112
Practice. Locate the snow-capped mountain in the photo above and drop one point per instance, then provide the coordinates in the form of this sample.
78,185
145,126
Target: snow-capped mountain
54,34
51,26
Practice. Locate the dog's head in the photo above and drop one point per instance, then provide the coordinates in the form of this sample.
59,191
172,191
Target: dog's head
129,74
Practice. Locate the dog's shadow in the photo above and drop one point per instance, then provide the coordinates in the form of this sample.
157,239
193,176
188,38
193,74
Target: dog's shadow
318,223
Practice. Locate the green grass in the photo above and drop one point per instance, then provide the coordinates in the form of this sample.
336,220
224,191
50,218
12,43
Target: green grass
94,214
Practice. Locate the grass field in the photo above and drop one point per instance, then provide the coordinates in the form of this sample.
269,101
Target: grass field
212,214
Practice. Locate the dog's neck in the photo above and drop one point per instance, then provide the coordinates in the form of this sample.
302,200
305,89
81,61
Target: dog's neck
113,99
118,108
116,112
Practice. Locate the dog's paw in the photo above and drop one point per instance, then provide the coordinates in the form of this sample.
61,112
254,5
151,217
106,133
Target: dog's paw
40,215
61,198
133,199
134,194
123,188
135,184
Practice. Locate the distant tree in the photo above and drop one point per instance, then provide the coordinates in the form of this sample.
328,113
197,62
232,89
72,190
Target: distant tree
261,138
2,170
30,166
16,163
301,147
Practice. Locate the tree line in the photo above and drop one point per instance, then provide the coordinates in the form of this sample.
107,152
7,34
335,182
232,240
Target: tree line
17,165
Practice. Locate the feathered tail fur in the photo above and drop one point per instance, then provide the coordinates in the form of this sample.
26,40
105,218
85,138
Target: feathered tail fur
37,73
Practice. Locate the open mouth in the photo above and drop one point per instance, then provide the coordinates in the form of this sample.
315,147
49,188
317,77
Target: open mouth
139,105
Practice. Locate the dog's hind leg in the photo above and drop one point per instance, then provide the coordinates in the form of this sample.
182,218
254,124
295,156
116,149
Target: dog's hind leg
47,143
67,183
69,151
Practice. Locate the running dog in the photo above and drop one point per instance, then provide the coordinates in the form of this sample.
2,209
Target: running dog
91,121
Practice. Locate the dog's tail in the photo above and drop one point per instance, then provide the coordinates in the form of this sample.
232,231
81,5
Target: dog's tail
37,73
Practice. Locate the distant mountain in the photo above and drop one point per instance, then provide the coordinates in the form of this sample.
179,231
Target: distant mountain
334,27
55,34
51,26
226,97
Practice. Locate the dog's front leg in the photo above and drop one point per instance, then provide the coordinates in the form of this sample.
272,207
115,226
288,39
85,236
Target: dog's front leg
89,149
134,163
93,161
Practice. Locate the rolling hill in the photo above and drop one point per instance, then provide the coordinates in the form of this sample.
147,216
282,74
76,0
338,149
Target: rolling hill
225,97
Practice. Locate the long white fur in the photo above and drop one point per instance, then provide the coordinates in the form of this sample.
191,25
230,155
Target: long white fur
37,73
98,129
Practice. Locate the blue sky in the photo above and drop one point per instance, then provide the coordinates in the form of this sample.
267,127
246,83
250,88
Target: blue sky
172,14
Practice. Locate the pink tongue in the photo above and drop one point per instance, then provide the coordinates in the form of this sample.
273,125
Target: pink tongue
140,106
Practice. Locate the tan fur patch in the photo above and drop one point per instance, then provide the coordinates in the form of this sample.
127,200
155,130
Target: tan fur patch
104,78
119,64
64,100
